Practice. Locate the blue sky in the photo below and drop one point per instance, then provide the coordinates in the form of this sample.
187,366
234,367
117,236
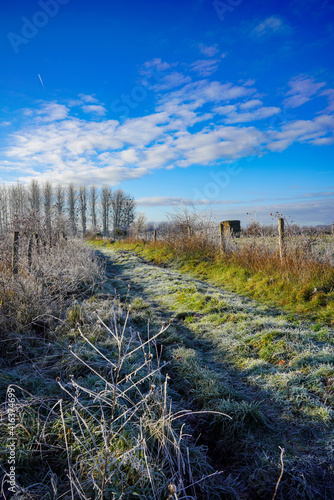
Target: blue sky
226,104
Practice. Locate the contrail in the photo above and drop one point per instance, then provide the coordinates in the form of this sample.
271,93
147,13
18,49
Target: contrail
39,76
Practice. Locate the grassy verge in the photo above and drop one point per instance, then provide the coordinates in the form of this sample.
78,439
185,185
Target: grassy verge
306,294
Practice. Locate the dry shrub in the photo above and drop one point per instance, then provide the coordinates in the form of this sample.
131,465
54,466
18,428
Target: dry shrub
190,232
45,282
305,258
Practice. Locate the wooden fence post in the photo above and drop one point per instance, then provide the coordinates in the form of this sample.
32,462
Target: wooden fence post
221,237
281,239
155,235
15,256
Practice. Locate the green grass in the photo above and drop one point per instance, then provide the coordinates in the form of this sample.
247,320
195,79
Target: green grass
271,286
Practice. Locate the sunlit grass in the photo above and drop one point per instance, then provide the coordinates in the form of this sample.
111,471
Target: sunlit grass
304,290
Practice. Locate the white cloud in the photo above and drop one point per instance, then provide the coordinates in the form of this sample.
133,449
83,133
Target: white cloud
89,99
226,110
241,114
160,201
319,131
248,83
223,142
205,67
157,64
250,104
171,81
96,109
169,201
196,94
257,114
270,25
208,51
155,70
329,93
5,124
66,148
303,212
129,156
302,89
52,111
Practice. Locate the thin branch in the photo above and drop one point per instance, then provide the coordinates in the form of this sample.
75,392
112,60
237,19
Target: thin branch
281,474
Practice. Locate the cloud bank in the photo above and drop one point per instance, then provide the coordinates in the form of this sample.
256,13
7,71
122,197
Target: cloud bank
194,122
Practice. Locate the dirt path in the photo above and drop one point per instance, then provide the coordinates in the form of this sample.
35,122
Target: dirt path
228,353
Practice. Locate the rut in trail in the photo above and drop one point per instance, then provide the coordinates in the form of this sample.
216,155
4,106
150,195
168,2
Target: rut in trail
228,353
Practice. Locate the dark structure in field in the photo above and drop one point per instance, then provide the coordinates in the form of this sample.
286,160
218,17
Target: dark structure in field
231,227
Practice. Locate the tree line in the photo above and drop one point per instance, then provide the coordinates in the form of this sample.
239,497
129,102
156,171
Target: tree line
74,209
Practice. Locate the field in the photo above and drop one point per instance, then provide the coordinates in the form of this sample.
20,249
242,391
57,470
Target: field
149,376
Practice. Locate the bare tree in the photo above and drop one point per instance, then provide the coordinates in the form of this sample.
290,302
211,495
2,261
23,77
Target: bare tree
60,200
93,202
184,219
61,207
117,201
18,202
123,211
71,201
83,208
4,208
129,212
47,201
139,224
105,208
34,197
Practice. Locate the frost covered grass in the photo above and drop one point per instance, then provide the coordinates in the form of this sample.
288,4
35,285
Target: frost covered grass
153,402
43,287
303,284
94,417
273,374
